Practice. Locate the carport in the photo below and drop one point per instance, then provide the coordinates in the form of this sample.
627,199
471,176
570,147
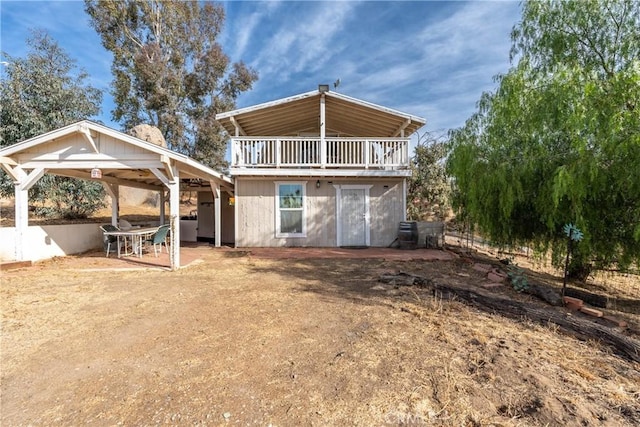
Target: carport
91,151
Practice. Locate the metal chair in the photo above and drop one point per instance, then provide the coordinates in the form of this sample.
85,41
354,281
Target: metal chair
108,240
159,238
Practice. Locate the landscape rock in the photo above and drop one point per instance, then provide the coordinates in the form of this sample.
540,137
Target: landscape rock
148,133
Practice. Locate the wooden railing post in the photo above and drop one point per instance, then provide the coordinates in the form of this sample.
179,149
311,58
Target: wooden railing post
366,153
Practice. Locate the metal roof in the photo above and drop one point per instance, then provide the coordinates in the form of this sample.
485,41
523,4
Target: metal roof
300,115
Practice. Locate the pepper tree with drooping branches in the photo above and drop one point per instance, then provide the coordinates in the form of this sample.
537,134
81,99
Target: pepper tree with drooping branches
559,140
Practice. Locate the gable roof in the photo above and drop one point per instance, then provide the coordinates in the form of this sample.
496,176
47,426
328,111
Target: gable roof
300,114
76,149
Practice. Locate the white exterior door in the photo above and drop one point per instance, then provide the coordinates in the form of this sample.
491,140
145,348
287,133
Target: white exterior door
353,215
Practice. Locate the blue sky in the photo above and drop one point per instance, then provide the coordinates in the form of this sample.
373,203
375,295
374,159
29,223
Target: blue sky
427,58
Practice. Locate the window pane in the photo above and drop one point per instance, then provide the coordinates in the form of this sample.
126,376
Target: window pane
290,195
291,221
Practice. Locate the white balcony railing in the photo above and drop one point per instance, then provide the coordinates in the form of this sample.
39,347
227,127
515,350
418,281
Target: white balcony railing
302,152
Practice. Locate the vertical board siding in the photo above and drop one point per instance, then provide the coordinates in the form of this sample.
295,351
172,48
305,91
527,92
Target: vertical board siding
77,144
255,202
386,212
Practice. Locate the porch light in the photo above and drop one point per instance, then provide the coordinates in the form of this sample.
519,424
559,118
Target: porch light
323,88
96,173
318,184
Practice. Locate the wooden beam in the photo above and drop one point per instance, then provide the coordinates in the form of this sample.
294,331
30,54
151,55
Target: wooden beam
86,156
90,164
166,181
8,161
84,130
168,167
32,178
12,172
107,179
400,131
236,125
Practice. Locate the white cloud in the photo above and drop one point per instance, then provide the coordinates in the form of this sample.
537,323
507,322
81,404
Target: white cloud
430,59
304,40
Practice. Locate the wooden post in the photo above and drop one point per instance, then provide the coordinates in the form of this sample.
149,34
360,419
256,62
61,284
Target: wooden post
174,213
217,212
114,191
323,133
22,185
162,208
21,217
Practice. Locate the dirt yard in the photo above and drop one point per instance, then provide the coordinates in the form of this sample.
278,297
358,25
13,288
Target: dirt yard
237,340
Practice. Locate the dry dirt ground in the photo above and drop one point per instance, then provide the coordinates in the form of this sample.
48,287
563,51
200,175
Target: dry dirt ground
238,340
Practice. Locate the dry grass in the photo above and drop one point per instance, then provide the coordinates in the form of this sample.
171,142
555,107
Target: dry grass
284,342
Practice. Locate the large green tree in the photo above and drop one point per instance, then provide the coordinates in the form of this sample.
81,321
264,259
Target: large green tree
559,141
169,70
39,93
429,188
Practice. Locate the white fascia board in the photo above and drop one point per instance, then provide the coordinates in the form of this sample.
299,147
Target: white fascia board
208,172
264,105
37,140
33,158
371,173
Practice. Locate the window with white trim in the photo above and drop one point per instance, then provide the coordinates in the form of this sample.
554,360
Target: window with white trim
290,209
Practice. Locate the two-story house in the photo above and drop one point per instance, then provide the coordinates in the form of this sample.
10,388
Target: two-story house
319,169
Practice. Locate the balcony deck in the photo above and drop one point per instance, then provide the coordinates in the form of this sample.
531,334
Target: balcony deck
315,156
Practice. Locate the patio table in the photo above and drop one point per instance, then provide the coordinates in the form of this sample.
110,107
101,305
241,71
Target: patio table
137,236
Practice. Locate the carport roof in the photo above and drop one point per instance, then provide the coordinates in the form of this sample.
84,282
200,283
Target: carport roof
300,114
75,150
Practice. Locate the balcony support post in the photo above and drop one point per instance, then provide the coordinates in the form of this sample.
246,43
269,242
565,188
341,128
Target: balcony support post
323,133
278,153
